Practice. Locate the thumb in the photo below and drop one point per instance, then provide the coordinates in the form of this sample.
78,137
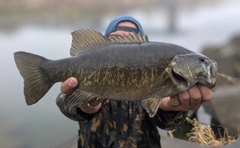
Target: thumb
68,85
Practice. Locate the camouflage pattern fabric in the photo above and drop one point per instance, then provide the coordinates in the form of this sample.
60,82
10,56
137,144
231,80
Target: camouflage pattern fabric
120,124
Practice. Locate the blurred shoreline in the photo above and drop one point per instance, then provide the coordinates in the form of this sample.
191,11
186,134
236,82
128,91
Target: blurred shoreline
14,14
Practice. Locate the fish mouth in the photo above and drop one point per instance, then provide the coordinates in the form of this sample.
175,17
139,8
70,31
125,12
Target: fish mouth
179,78
212,75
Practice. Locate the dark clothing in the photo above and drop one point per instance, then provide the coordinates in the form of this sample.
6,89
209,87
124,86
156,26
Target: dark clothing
120,124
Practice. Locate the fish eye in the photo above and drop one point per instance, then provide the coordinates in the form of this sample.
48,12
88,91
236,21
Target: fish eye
202,59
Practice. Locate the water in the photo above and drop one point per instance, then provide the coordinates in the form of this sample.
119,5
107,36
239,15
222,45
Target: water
42,124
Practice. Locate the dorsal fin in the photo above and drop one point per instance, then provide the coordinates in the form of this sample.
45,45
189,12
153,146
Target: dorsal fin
84,39
129,39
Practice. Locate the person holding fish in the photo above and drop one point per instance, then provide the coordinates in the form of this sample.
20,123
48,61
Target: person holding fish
105,122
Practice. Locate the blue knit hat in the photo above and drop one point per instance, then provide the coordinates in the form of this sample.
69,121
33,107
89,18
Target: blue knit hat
113,24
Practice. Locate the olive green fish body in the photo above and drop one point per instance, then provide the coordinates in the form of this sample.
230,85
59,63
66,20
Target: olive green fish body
122,68
124,71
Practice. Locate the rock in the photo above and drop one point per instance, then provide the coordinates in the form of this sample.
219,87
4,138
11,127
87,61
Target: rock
224,107
227,56
226,104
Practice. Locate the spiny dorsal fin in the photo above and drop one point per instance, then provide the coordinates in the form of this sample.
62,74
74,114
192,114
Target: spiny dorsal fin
85,39
129,39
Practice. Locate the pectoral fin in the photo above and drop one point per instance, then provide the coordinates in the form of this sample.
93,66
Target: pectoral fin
151,106
77,98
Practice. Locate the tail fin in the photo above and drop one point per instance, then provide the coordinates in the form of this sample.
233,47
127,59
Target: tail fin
35,86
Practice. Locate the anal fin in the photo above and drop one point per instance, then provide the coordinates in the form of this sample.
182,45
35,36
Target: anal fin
77,98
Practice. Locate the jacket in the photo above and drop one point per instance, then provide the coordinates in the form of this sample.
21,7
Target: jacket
120,124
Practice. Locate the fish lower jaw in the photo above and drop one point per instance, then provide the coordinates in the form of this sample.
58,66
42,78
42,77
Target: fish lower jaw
210,82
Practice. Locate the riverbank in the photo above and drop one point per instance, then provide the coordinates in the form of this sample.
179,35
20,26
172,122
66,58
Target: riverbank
61,13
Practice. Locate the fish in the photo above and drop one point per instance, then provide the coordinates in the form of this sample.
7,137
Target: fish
126,67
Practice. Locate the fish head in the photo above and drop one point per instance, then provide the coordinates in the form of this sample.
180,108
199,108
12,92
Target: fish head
192,68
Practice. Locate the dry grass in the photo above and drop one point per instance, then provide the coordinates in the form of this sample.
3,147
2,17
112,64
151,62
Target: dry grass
232,79
204,135
237,66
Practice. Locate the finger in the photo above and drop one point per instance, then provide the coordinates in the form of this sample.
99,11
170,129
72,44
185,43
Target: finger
195,96
166,105
174,100
184,98
68,85
95,102
206,93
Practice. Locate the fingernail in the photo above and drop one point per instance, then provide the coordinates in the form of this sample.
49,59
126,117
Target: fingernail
72,82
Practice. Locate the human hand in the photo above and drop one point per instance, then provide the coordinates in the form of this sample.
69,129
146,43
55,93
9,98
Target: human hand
191,99
91,107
